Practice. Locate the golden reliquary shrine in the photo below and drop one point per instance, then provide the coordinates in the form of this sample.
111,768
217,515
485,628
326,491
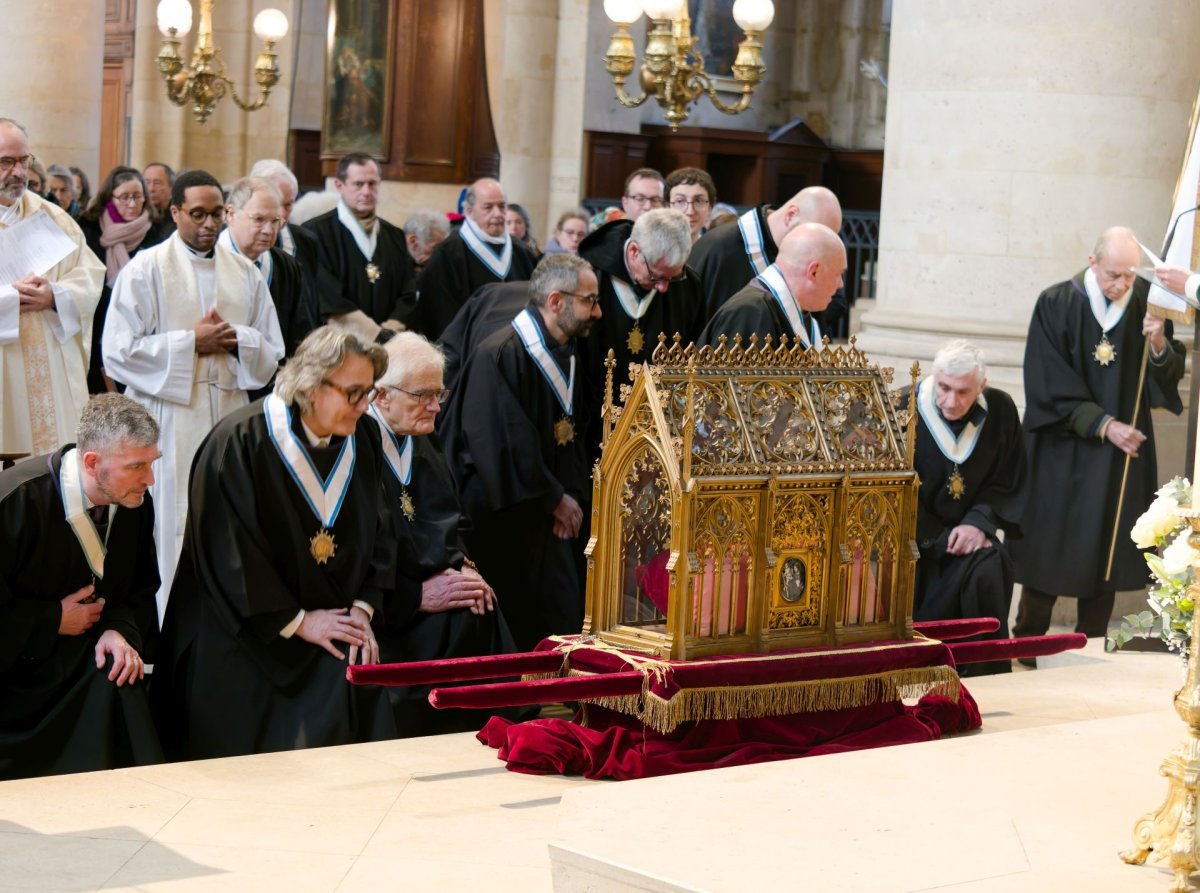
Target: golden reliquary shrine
749,499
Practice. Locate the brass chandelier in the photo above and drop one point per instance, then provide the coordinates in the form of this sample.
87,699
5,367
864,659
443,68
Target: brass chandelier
204,81
673,70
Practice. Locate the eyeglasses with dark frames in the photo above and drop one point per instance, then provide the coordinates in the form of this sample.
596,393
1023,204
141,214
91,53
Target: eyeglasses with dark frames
441,395
354,394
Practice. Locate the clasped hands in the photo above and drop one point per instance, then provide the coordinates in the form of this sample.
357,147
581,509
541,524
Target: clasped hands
78,617
35,293
451,590
214,335
351,626
965,539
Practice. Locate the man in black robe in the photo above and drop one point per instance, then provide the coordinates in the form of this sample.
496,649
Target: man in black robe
785,298
366,256
478,253
490,309
288,555
970,456
515,439
296,241
77,580
644,290
728,257
254,214
423,232
441,607
1082,380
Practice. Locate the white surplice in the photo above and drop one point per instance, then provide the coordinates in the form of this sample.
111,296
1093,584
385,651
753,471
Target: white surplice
44,354
149,345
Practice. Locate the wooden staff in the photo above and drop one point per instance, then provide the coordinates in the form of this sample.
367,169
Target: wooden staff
1137,406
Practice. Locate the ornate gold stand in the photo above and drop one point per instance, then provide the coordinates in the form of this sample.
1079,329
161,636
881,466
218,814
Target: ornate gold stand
1170,833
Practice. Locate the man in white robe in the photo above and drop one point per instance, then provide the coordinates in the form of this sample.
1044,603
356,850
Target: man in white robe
191,329
45,320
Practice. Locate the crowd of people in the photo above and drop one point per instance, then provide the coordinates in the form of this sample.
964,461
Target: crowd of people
352,442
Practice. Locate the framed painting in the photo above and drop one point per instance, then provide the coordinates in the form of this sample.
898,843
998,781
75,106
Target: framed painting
717,38
358,78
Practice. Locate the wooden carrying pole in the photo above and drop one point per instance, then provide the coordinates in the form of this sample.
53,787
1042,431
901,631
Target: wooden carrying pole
1137,407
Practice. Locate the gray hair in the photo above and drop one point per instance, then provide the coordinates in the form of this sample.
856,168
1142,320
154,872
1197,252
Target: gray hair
16,124
275,170
407,353
557,272
111,421
243,190
63,173
664,236
321,352
470,197
959,357
1110,236
424,224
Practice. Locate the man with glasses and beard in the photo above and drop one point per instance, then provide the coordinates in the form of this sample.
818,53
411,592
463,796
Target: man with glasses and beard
515,437
191,329
45,318
288,556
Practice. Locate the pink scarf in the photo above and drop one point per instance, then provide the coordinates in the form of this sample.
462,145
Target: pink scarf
119,239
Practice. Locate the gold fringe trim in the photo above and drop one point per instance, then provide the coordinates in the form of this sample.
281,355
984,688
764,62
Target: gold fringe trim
1183,317
781,698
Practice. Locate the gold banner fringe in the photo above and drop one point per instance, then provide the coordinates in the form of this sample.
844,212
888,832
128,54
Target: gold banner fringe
778,698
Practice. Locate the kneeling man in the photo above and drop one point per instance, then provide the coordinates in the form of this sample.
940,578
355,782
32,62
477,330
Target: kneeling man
971,459
77,580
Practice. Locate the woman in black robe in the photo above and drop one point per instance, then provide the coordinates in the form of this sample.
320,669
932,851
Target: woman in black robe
441,606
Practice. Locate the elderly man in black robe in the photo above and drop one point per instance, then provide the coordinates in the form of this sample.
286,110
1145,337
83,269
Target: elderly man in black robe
366,256
287,558
786,297
441,606
78,575
728,257
644,291
477,253
970,456
1083,374
515,438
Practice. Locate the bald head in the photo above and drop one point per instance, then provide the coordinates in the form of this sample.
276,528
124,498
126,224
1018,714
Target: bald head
1112,261
814,204
486,205
812,259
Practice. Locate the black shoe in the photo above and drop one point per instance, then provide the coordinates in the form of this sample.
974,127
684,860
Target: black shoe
1029,663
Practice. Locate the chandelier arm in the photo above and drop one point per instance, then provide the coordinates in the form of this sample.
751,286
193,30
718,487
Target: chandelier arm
628,101
179,95
241,103
736,108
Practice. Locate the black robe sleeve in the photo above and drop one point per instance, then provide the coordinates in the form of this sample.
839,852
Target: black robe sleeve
746,314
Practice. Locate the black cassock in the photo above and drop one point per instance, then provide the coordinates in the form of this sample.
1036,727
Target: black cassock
490,309
294,304
676,311
428,544
393,295
511,473
992,498
58,712
315,280
230,684
452,275
751,311
719,258
1074,478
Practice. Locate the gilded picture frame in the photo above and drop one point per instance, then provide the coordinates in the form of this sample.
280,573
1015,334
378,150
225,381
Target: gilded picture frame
359,71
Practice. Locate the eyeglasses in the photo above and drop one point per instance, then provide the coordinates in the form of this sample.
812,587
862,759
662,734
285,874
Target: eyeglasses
355,394
199,215
654,201
659,280
7,163
682,204
131,199
591,300
439,395
259,222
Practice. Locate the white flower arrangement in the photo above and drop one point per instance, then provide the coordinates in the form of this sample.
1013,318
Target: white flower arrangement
1162,527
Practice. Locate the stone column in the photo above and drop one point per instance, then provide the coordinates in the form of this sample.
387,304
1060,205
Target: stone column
1015,133
52,67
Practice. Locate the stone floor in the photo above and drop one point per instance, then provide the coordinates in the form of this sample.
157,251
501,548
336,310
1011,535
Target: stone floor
1040,799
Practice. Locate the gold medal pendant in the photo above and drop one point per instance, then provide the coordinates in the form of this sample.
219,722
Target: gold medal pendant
564,431
636,340
322,546
956,486
373,273
406,505
1104,353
